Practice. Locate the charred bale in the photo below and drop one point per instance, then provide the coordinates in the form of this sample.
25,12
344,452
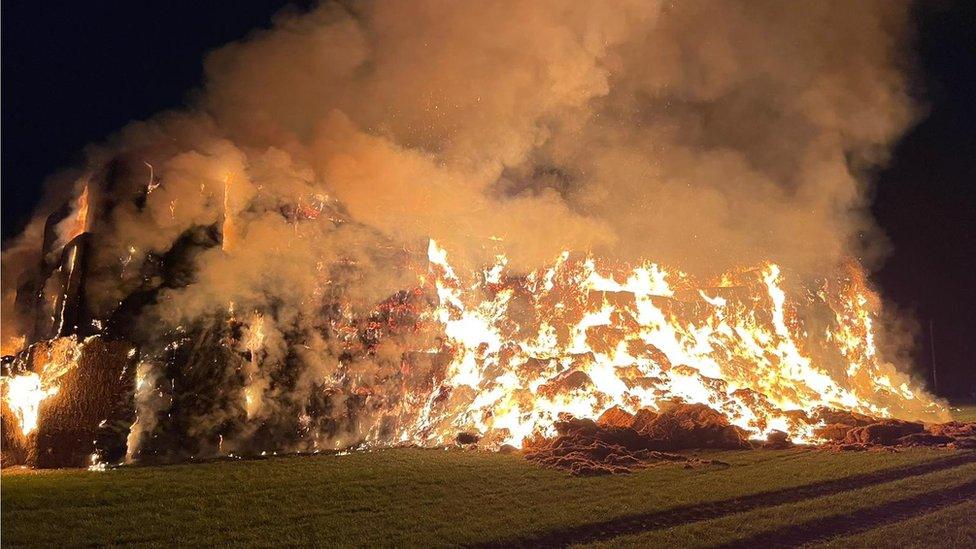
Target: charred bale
70,312
467,438
836,424
954,429
777,440
606,446
203,380
924,439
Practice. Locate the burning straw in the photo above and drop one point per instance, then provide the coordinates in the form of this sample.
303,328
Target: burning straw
389,223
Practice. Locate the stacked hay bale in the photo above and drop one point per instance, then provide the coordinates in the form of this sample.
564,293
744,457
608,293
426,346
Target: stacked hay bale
90,411
80,423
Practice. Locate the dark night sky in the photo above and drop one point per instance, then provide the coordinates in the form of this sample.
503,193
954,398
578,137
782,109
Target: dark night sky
74,73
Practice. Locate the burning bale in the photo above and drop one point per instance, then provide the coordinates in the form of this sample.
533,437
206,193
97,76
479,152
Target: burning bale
14,444
77,408
566,383
495,355
88,419
617,417
619,442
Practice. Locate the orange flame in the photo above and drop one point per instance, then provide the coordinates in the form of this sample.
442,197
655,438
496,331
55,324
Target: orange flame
24,394
80,222
581,338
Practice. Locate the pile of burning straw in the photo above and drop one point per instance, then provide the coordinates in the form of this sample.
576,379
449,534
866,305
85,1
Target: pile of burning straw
620,442
394,223
664,361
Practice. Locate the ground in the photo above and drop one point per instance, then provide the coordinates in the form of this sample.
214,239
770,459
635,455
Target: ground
436,497
911,498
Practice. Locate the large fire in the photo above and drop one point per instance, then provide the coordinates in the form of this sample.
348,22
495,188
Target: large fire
259,293
580,337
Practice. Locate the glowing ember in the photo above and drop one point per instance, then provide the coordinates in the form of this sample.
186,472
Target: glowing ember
580,338
24,396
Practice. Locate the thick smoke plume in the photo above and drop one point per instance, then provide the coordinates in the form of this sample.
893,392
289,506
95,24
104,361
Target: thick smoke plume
322,154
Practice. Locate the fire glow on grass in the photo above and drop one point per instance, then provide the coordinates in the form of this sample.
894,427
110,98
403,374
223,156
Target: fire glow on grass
579,337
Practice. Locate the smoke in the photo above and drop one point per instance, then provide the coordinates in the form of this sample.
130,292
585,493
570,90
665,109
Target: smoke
320,155
703,134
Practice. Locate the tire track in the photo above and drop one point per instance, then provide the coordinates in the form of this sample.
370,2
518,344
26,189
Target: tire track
868,519
637,523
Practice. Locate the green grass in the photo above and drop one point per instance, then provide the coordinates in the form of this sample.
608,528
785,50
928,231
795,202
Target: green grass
436,497
950,527
759,523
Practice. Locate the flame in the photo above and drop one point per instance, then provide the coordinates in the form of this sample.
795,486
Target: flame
253,342
581,337
24,395
80,222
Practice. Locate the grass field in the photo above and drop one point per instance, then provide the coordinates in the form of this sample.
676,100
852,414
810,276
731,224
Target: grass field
435,497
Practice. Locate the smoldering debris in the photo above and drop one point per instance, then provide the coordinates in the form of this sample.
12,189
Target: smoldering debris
850,431
619,442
